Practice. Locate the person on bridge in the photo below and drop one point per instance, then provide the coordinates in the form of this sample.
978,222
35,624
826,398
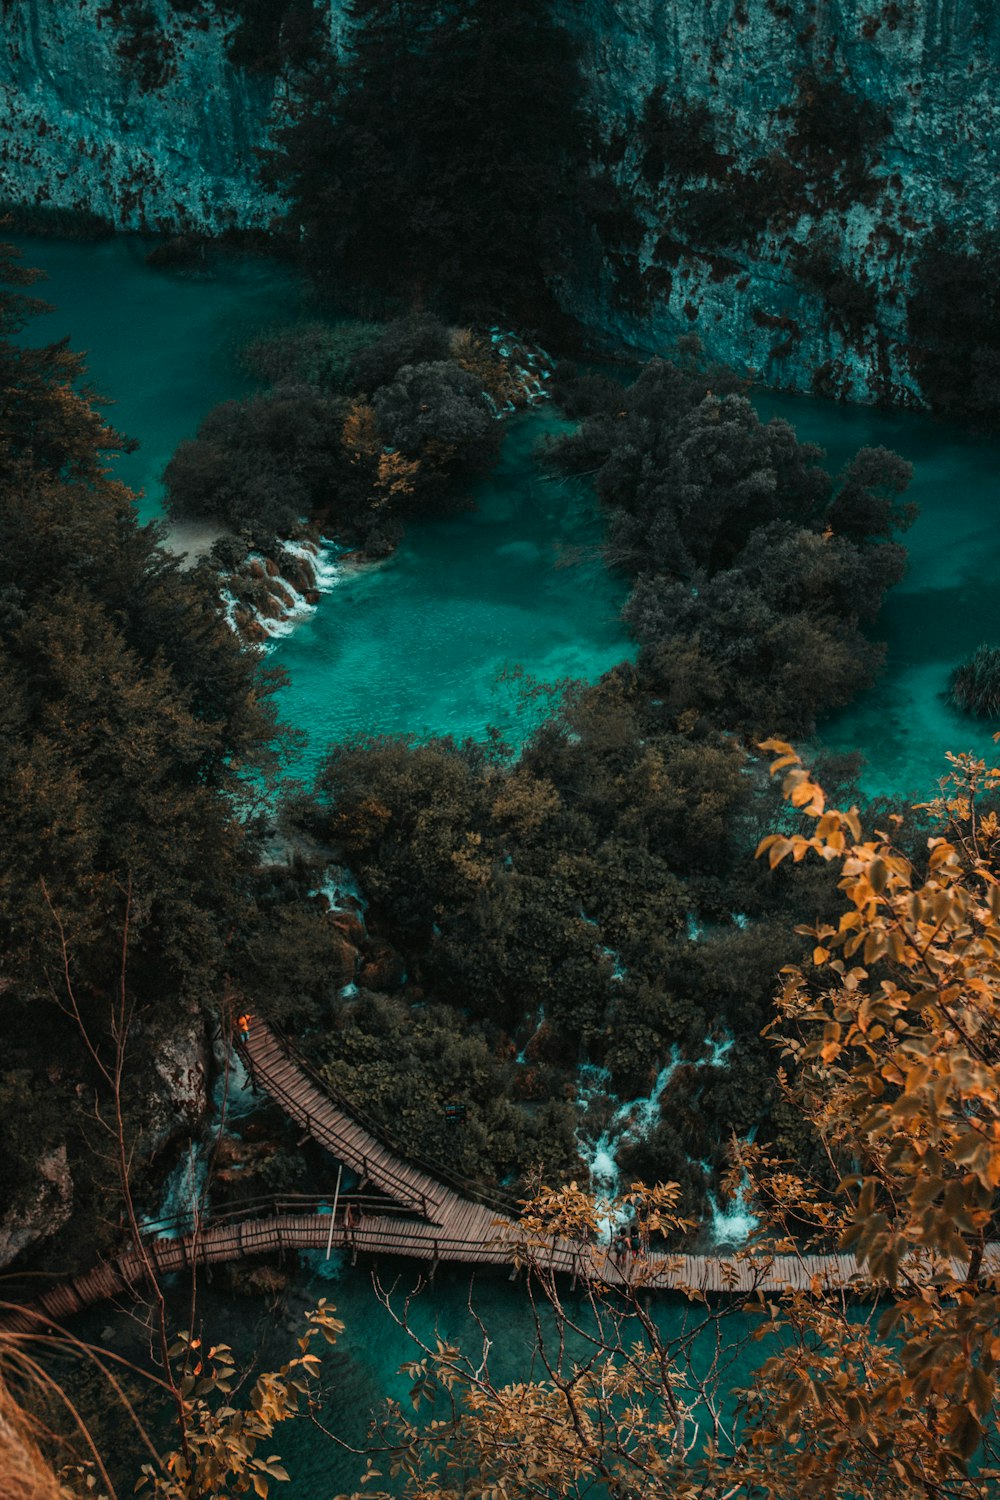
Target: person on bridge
244,1025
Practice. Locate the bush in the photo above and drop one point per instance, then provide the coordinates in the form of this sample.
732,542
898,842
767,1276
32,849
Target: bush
433,402
753,569
975,686
261,464
414,340
319,354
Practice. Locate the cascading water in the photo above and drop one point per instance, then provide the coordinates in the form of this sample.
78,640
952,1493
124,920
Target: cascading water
635,1121
325,569
185,1190
183,1193
733,1224
539,1018
630,1122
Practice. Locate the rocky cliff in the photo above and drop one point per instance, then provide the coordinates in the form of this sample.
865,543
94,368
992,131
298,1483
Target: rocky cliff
910,85
769,166
149,131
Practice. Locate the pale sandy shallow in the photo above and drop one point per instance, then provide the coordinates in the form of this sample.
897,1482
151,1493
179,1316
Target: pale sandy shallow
193,540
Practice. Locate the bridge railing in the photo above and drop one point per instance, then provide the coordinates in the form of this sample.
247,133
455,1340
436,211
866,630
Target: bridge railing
502,1202
316,1127
320,1204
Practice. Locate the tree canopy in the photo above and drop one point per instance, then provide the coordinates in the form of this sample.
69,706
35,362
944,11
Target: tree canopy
393,197
132,723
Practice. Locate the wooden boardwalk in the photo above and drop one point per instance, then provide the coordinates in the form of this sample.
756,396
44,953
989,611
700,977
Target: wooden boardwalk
426,1220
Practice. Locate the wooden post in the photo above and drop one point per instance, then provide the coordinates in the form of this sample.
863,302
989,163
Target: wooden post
333,1215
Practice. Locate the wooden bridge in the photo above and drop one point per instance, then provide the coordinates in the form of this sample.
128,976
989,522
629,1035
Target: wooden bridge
413,1212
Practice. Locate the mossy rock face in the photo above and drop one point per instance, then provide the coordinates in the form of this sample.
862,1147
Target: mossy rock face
975,686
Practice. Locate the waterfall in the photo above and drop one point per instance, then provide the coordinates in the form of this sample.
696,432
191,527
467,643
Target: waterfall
732,1225
635,1121
632,1121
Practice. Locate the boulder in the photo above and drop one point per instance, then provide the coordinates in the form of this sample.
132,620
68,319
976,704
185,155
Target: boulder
47,1210
350,924
382,968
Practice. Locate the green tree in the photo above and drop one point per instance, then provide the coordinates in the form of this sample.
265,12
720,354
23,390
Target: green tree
394,198
133,724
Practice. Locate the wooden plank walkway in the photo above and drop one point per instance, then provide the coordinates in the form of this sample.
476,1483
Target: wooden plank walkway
435,1223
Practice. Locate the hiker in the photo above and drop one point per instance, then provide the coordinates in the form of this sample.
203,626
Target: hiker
244,1025
634,1241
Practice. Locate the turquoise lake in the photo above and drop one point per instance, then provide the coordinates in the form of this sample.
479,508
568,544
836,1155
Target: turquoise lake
417,643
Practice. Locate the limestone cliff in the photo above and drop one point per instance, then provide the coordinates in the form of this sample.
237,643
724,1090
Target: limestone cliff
928,67
85,127
88,126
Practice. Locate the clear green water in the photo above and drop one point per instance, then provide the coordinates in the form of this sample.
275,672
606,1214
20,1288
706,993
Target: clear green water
945,607
160,346
416,645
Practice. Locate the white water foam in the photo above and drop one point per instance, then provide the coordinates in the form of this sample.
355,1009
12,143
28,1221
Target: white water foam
183,1192
733,1224
635,1121
328,574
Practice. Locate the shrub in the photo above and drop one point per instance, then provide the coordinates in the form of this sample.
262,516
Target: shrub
414,340
432,402
975,685
321,354
260,464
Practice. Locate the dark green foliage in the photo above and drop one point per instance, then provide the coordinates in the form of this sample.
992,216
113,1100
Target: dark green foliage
440,1086
268,35
866,506
547,904
437,403
506,886
677,139
293,957
262,464
755,572
272,34
975,686
954,323
305,451
318,354
850,297
130,717
835,133
439,161
416,339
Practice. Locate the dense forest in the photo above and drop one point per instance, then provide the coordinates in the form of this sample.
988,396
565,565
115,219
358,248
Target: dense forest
540,930
589,900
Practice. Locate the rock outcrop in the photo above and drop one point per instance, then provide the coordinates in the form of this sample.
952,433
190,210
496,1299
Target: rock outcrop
181,1067
924,68
48,1210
